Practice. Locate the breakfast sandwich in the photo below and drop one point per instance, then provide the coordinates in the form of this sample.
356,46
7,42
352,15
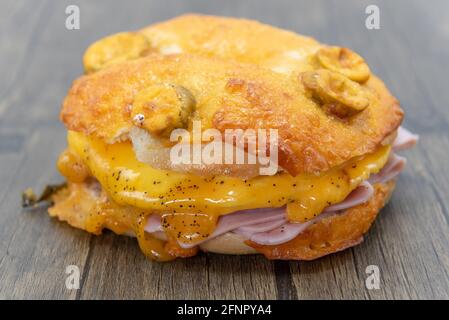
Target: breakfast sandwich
228,136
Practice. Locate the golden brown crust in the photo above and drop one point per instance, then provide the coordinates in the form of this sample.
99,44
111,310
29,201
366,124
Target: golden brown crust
236,39
332,234
86,206
75,203
230,94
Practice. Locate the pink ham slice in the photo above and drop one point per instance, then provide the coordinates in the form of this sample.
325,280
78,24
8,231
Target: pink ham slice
269,226
394,166
284,233
228,222
404,140
260,227
359,195
154,224
289,231
265,220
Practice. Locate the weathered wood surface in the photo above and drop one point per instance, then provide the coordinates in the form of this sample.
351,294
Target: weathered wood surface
409,241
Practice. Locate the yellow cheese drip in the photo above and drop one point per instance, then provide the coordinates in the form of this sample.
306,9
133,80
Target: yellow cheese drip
190,205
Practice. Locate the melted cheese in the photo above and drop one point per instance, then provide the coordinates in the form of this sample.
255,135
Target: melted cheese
190,205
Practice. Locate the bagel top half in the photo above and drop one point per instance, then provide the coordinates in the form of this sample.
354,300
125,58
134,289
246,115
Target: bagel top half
242,74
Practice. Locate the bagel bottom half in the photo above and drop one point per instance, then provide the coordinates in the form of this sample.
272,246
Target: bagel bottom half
345,229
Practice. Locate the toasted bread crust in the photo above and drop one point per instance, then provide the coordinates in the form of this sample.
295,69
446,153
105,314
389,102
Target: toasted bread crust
227,64
235,39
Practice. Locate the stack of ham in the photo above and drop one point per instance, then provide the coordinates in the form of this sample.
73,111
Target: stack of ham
269,226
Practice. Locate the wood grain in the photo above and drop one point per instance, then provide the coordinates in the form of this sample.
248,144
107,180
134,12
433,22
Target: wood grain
409,241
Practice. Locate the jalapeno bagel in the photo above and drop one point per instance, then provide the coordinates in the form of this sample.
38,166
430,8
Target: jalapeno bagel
337,128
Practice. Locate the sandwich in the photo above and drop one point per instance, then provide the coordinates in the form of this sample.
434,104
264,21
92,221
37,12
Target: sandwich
228,136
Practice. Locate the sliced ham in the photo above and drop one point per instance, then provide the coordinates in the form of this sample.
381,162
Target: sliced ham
359,195
154,224
392,168
242,218
404,140
269,226
248,217
228,222
289,230
286,232
260,227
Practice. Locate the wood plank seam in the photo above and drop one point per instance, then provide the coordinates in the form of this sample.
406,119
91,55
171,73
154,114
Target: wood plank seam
286,289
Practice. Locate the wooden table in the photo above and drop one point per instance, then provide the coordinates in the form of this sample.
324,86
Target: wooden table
409,241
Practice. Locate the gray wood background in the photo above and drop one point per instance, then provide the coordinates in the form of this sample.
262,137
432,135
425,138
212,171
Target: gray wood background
409,242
